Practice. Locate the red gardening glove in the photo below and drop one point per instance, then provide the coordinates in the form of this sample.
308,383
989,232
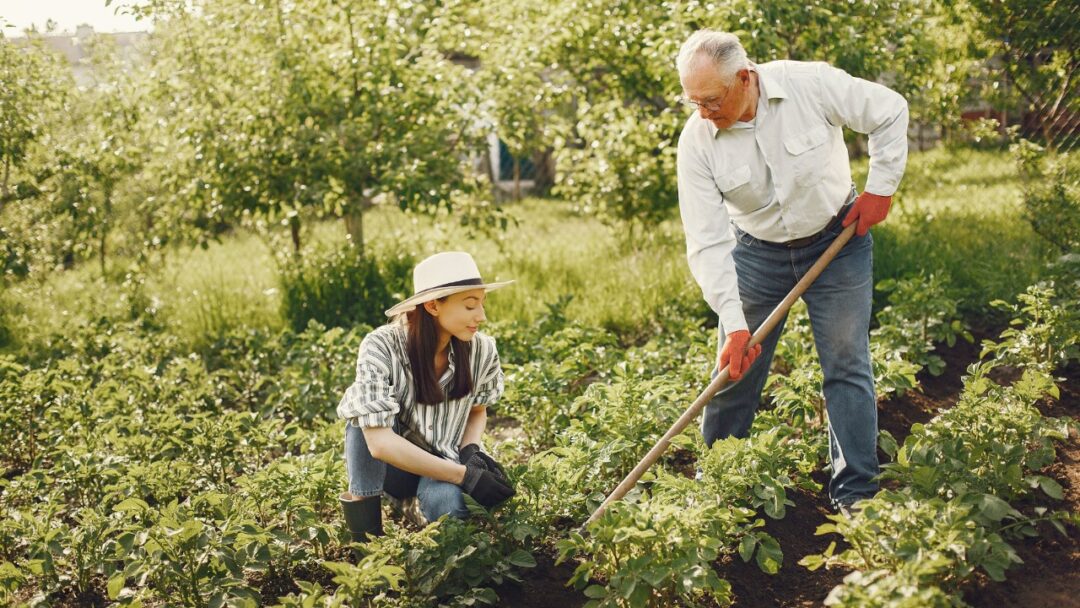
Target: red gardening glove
737,355
869,209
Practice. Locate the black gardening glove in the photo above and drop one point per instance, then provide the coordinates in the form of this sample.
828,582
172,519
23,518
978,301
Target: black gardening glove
472,452
484,486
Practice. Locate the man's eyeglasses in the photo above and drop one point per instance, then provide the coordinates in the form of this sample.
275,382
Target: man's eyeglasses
711,106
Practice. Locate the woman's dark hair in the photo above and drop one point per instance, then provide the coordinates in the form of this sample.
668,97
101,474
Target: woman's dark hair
422,338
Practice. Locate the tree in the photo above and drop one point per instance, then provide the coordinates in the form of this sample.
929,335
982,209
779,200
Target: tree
617,61
35,90
1036,42
98,149
317,105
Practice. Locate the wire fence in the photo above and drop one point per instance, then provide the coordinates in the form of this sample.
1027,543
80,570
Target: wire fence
1036,69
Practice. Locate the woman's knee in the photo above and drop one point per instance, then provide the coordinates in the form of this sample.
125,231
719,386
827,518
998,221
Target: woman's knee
438,498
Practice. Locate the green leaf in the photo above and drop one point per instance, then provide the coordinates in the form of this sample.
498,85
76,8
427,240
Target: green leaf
993,508
133,505
116,585
595,592
769,555
746,547
812,562
522,559
1052,488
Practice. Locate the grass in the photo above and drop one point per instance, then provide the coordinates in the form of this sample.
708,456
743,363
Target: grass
958,211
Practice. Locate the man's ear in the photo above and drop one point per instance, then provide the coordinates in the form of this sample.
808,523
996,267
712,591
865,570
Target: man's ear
432,306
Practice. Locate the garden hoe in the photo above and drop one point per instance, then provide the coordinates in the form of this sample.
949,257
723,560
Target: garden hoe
721,378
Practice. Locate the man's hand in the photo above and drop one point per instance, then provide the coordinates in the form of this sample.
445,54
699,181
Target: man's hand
869,209
737,355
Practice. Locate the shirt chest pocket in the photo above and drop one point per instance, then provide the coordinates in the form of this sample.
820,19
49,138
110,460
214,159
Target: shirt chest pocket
808,154
734,184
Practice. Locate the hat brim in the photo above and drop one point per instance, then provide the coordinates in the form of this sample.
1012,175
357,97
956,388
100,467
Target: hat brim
411,303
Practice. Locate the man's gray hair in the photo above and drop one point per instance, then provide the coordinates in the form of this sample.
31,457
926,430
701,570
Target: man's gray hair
722,48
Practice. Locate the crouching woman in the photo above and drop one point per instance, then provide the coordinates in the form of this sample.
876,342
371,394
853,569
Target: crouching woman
417,411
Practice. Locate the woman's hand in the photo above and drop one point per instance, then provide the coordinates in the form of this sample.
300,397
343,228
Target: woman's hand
472,452
483,485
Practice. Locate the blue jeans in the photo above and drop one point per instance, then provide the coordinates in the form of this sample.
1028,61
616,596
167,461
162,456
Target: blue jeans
839,304
367,476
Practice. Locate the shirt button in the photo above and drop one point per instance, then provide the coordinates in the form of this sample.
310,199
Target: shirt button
429,427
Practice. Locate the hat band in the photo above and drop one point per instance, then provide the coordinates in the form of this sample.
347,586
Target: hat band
461,283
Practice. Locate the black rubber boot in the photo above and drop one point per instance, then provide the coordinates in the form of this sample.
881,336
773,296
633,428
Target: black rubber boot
364,517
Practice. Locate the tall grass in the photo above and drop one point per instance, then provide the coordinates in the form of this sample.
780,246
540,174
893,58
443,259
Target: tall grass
960,211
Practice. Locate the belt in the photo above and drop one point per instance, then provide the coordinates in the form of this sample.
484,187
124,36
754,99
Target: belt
806,240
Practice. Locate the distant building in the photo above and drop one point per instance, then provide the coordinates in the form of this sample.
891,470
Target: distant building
74,47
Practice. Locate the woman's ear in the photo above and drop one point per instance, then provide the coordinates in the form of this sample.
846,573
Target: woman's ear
432,306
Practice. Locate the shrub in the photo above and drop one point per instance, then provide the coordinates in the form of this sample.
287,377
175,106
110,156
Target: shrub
340,287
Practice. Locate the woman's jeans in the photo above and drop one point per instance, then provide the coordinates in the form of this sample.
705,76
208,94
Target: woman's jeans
369,477
839,305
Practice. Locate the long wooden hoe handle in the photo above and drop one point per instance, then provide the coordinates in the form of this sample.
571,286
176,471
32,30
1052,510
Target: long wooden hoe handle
722,378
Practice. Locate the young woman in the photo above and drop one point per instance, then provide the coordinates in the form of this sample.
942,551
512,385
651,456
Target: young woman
417,411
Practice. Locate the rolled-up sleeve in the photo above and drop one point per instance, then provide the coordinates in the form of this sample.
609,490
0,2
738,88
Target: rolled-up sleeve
709,238
490,384
370,401
875,110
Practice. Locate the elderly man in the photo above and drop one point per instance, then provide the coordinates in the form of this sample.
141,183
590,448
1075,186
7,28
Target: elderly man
764,187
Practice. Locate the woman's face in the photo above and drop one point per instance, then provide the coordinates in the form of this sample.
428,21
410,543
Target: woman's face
460,314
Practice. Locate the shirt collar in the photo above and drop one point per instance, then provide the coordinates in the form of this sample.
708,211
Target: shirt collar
449,373
768,85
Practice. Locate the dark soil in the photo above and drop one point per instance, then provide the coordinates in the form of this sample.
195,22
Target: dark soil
794,585
544,587
94,596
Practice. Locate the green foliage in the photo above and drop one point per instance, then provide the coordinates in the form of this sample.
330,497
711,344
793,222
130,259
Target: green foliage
921,314
624,170
654,553
341,287
558,366
36,89
958,479
932,539
885,589
759,470
1036,59
1044,332
316,107
178,553
1051,194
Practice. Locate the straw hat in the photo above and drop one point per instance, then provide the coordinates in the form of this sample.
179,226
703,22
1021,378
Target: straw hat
443,274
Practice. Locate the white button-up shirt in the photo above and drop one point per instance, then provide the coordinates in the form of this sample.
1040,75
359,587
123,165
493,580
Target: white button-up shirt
785,174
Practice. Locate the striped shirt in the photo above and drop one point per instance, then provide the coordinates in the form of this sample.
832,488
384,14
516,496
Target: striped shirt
384,393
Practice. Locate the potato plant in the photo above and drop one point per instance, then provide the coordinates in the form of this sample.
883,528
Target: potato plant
968,481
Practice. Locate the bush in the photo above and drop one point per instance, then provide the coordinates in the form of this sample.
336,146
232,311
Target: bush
1051,195
340,287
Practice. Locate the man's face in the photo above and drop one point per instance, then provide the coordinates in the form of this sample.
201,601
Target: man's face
719,102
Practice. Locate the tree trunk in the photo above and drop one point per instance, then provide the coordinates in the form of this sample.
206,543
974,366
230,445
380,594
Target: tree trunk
294,231
101,252
4,189
107,206
544,177
354,225
517,179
